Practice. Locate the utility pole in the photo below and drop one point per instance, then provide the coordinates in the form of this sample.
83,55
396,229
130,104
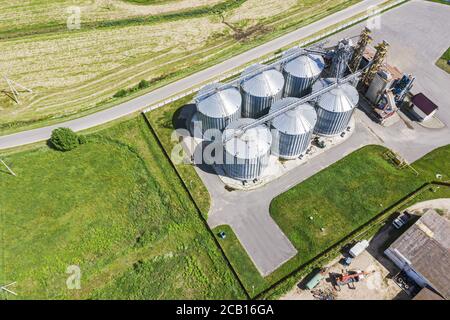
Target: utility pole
7,167
5,288
13,91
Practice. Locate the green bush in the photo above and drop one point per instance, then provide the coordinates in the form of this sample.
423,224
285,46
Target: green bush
121,93
82,139
64,139
143,84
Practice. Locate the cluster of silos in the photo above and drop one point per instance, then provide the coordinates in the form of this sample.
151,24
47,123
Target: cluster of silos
300,72
335,107
246,155
218,106
261,90
292,130
260,87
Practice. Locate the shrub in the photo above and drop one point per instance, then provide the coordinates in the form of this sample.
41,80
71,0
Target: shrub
64,139
143,84
121,93
82,139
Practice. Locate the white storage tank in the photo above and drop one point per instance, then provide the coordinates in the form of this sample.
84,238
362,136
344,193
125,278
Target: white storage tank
382,81
292,130
218,106
300,72
246,155
260,90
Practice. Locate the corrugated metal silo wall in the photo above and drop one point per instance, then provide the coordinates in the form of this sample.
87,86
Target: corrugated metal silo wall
289,146
217,123
331,123
255,107
245,169
296,86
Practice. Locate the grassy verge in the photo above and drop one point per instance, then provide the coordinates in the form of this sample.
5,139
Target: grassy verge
115,208
253,282
163,123
443,61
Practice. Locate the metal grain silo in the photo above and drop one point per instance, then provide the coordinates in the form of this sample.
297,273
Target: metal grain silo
301,72
246,155
334,110
325,82
260,90
292,130
217,106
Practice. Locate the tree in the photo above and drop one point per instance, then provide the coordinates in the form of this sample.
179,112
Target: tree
64,139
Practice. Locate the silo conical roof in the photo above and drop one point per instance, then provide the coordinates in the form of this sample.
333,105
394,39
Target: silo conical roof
263,84
253,143
305,65
351,91
219,102
298,120
336,100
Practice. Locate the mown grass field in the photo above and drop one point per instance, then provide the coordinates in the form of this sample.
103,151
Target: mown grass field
115,208
76,72
340,199
443,61
38,16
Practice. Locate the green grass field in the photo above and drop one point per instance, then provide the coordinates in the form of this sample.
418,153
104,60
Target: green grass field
162,121
442,62
340,199
114,207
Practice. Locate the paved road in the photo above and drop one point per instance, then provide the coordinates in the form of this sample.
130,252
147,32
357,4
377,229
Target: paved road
417,40
155,96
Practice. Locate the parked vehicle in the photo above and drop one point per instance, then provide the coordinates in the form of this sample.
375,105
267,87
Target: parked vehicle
401,220
315,280
358,248
347,261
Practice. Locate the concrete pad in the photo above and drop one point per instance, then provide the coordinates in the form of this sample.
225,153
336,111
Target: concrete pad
261,236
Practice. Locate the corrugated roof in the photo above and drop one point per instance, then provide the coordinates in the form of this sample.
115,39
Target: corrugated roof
427,294
426,244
